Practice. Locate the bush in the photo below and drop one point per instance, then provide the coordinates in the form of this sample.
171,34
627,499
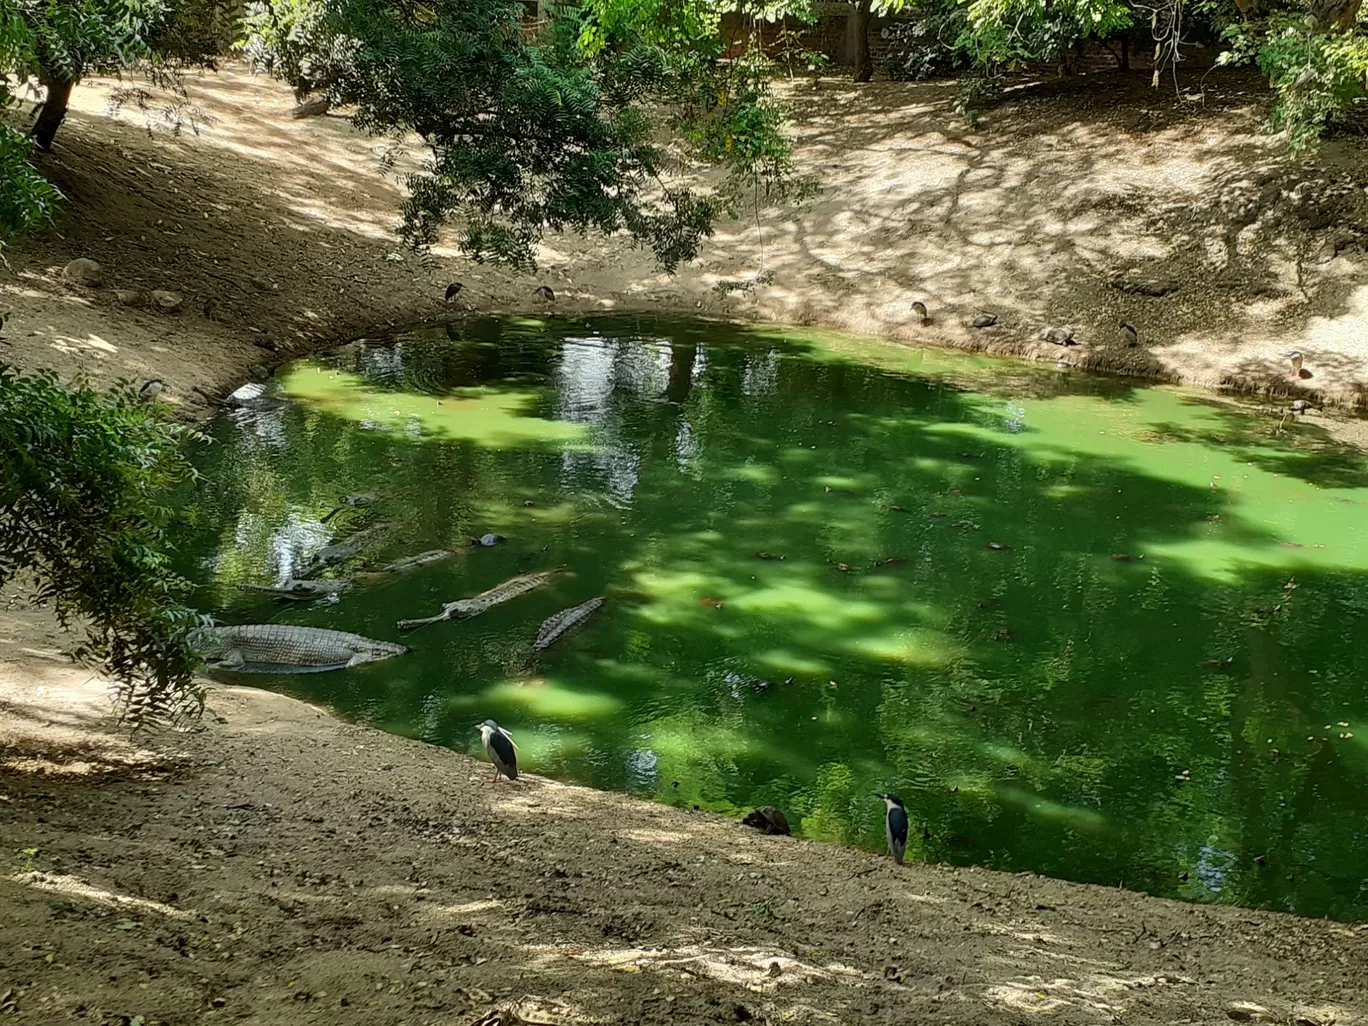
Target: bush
925,46
82,479
1319,79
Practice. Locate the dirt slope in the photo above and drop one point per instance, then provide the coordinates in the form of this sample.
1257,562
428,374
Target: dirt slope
1074,205
281,868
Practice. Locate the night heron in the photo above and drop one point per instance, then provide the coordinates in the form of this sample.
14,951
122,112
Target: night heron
1296,359
151,388
895,825
453,290
545,293
498,745
1129,333
919,308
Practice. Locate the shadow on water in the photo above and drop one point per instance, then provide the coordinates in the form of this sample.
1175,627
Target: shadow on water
1115,641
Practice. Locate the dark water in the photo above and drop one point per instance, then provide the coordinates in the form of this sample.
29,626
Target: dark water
1193,709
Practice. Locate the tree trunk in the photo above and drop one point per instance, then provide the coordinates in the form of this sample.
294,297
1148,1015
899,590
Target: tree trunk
864,60
53,112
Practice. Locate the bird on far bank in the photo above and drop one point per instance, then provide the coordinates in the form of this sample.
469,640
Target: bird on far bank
895,825
453,290
498,745
1296,359
919,308
545,293
151,388
1129,333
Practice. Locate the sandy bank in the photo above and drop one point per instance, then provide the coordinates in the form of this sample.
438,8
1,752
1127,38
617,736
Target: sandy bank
281,867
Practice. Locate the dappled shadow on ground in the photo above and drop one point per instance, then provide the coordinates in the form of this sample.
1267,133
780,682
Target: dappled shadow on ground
1096,201
381,880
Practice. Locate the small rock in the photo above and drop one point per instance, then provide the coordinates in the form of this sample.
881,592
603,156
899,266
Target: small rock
170,302
1247,1011
131,297
84,271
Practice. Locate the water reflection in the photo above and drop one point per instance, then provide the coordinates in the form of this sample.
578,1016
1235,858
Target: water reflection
1082,628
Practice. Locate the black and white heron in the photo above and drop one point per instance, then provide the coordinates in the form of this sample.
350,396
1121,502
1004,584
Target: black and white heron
498,745
545,293
919,308
1129,333
453,290
895,825
1295,357
151,388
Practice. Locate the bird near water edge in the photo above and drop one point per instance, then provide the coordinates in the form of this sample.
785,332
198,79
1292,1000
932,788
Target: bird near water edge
498,745
895,825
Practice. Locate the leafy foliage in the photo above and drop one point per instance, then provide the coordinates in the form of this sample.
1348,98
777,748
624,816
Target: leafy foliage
27,199
927,44
82,524
1317,78
535,132
73,39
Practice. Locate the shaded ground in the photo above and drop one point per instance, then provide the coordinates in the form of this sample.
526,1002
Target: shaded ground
281,868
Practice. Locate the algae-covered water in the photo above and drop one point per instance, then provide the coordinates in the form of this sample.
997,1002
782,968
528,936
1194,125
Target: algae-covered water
1121,637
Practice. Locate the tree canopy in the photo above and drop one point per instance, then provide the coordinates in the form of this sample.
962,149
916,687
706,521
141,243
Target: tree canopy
547,130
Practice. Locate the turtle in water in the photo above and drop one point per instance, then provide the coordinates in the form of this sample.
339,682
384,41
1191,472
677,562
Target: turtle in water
488,540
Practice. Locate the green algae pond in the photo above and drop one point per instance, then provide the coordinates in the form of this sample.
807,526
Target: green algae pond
1084,627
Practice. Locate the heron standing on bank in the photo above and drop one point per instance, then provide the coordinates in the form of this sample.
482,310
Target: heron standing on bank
895,825
498,745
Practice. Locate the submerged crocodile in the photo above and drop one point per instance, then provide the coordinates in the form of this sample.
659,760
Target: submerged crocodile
340,552
408,563
465,608
286,648
299,591
349,502
555,627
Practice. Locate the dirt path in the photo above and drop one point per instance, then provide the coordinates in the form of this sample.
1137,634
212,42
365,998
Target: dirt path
281,868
